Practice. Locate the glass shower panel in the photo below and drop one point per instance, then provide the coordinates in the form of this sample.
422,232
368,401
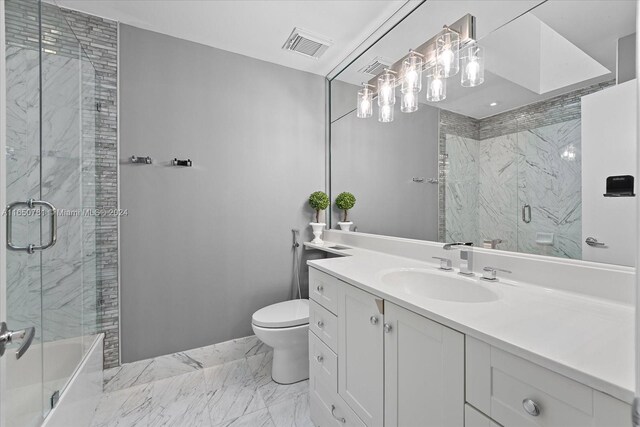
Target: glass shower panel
68,168
23,397
51,118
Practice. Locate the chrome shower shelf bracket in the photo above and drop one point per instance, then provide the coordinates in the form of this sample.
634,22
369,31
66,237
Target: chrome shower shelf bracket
141,160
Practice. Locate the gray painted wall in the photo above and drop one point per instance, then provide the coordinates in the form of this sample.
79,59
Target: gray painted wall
377,161
204,247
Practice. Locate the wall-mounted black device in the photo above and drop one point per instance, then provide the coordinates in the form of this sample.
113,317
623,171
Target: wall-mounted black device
620,186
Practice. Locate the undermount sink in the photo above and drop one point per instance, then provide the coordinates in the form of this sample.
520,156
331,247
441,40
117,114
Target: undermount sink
445,287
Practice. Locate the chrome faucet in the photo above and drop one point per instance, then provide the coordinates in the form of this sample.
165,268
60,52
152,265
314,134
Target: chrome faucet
489,273
448,246
466,256
445,263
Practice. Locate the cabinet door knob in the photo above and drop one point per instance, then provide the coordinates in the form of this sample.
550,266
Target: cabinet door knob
387,327
320,288
320,358
373,320
341,419
531,407
320,324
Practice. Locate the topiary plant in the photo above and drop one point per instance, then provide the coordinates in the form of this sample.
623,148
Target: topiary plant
345,201
319,201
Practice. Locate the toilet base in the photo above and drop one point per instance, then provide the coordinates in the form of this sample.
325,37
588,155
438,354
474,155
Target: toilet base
290,365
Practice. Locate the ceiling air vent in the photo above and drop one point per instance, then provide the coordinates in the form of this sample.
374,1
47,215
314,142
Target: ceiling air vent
306,43
376,67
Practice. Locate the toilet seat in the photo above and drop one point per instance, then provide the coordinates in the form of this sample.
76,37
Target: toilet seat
283,314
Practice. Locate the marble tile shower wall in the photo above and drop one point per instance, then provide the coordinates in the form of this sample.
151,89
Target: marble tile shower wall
493,166
78,161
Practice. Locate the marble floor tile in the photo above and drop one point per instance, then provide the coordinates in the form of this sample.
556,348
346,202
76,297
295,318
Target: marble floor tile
260,366
272,392
260,418
124,408
234,401
180,401
204,387
227,374
292,413
146,371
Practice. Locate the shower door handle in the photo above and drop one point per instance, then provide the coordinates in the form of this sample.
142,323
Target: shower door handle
7,337
30,204
526,214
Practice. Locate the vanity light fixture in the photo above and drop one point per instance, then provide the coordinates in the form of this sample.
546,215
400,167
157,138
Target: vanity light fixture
409,101
386,96
387,88
439,57
448,52
436,84
365,102
385,114
472,66
412,72
411,82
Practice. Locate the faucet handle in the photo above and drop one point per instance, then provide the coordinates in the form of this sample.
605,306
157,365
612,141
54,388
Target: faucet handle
445,263
489,273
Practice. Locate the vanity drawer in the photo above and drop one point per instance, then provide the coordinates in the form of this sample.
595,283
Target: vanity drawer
499,384
323,289
327,407
324,324
323,362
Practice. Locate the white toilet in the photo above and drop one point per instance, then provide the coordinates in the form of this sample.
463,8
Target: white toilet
284,326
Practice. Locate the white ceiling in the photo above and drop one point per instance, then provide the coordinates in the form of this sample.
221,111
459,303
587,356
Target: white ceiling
592,27
255,28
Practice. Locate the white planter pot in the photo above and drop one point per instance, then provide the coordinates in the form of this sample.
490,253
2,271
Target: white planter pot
317,232
345,226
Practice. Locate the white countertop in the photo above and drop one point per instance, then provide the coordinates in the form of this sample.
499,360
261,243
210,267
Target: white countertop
584,338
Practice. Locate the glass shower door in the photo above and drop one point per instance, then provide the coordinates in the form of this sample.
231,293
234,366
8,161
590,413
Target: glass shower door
22,398
50,157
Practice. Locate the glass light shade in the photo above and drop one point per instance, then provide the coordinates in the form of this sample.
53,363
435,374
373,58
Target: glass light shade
412,73
409,101
436,86
386,89
385,114
365,103
472,63
447,53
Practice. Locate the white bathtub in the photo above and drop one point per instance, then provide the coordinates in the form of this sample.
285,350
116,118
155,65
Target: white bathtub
80,383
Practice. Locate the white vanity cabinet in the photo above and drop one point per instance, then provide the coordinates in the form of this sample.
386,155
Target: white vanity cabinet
395,368
424,371
514,392
361,354
374,363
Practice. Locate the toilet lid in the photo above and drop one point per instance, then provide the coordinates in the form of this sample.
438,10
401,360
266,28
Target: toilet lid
283,314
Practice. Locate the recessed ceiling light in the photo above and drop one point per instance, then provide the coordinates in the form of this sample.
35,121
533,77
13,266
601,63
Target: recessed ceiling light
493,104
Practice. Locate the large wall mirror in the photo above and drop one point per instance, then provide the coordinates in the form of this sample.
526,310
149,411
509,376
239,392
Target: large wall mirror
517,163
